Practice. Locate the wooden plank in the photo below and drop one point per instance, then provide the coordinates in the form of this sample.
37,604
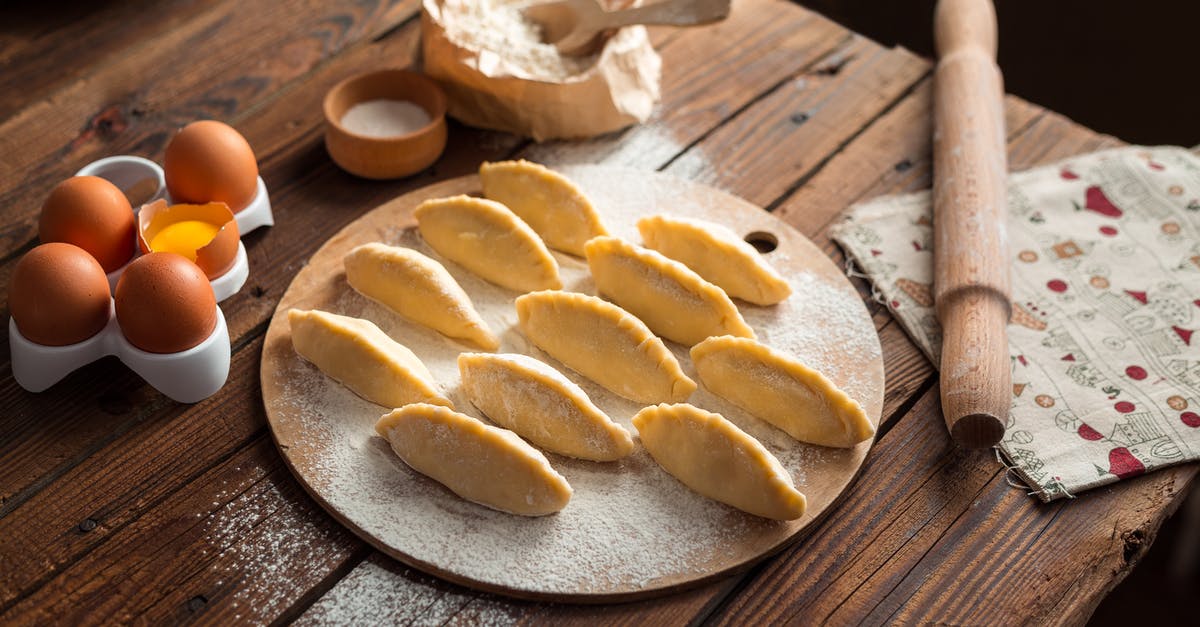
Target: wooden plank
785,136
114,485
762,43
45,46
381,590
891,156
211,67
243,517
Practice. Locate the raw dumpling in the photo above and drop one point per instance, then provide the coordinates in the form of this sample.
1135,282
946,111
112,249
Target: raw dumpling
604,343
671,299
541,405
480,463
546,200
417,288
712,456
486,238
781,390
718,255
360,356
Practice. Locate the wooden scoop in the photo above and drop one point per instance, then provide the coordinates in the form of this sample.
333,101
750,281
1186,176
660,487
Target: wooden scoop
971,261
573,25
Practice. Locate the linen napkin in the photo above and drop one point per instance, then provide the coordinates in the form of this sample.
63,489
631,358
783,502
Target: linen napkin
1105,252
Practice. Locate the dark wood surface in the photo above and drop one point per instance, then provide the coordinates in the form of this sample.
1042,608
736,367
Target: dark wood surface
118,505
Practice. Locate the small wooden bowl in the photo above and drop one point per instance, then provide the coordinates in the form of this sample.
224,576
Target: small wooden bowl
385,157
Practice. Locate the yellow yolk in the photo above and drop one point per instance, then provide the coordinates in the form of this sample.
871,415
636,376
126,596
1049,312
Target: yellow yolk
184,237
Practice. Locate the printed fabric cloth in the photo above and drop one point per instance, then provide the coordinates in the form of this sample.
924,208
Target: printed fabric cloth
1105,252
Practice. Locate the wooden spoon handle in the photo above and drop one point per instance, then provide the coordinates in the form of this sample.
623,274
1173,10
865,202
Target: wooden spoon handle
971,262
670,13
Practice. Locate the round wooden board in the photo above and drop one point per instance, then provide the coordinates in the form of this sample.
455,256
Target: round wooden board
630,531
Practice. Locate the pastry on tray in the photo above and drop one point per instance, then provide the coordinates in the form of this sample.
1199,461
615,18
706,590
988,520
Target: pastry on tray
675,302
539,404
488,239
781,390
360,356
714,457
480,463
717,254
549,202
604,343
417,288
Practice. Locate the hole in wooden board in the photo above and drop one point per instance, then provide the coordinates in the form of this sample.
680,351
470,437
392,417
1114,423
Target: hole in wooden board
762,241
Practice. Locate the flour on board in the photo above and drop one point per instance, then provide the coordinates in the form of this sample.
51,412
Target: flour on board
629,524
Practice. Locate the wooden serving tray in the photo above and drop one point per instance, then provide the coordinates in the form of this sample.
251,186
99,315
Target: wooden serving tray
631,531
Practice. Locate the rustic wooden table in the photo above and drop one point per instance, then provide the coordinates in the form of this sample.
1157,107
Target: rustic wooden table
117,504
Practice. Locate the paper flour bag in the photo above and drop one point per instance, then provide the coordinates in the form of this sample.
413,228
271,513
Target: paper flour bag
498,75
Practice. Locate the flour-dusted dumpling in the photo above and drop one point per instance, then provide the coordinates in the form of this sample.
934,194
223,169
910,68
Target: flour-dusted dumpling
360,356
781,390
480,463
541,405
546,200
417,288
671,299
486,238
712,456
604,343
717,254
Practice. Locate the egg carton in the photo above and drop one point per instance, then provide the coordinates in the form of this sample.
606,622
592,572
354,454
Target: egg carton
187,376
128,171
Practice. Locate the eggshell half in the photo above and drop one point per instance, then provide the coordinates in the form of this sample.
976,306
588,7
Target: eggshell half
215,258
165,304
58,295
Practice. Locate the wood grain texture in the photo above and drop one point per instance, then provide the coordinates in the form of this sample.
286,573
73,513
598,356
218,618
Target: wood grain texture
971,282
105,423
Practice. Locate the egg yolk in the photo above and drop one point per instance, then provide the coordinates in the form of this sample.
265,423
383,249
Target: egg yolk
184,237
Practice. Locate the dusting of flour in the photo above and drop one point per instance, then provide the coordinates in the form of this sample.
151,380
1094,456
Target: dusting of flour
629,525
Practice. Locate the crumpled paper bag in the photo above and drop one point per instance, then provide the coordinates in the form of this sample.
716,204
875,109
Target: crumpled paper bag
618,91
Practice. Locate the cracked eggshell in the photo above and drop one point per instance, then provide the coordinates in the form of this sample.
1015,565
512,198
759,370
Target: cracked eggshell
216,257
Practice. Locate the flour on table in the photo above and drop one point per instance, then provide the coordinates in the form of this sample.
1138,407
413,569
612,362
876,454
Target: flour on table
629,525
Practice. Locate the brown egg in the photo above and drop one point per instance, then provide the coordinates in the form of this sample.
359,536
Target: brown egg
209,161
165,304
93,214
58,295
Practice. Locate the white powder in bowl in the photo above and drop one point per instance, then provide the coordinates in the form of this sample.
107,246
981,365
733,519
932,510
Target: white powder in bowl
385,118
506,42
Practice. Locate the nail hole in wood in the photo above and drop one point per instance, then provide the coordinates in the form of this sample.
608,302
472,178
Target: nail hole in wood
904,166
763,241
197,603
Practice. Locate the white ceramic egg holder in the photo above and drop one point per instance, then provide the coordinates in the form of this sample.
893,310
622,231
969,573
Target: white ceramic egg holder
125,171
187,376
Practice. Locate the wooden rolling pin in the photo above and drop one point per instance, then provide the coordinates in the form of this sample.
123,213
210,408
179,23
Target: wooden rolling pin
971,262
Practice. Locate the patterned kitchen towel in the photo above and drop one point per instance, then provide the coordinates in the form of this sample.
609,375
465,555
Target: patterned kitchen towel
1106,298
